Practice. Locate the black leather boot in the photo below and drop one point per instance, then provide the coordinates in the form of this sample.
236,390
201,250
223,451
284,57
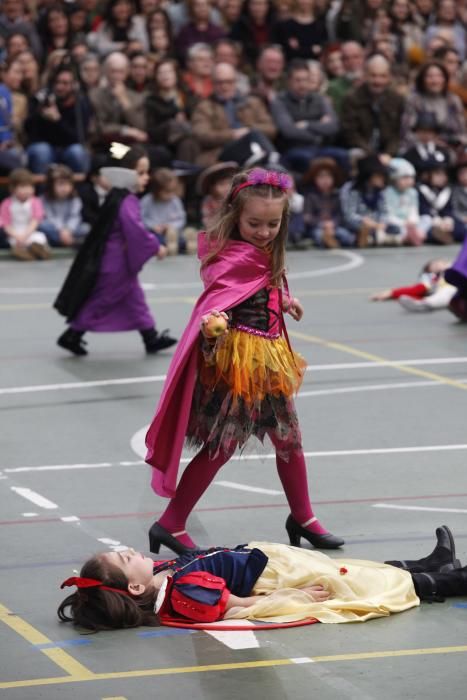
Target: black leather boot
436,586
442,558
154,341
73,341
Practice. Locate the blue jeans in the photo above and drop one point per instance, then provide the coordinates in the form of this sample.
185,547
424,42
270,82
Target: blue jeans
53,234
345,237
42,154
299,158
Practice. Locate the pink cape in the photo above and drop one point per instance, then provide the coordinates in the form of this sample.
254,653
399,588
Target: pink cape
237,272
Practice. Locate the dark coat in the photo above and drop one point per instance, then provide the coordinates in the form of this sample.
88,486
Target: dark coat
72,127
370,124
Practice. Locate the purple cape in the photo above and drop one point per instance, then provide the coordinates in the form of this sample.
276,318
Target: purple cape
117,301
236,273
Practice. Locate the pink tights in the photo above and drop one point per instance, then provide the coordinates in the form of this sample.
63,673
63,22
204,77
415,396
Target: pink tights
200,472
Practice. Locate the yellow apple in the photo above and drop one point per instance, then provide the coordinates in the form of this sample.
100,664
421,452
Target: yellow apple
215,326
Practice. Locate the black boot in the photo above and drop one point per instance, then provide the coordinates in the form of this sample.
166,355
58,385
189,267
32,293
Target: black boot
442,558
73,341
435,587
154,341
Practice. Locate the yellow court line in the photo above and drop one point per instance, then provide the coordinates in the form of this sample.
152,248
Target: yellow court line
30,634
377,359
176,670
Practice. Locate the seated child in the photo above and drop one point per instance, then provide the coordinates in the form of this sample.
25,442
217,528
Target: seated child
20,216
262,581
425,146
364,207
62,223
322,210
214,185
432,291
401,199
459,191
437,218
163,213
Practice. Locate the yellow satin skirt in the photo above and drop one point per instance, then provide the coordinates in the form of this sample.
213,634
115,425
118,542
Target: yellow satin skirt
360,589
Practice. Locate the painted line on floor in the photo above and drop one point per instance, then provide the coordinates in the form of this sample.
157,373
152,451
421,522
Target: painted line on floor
235,666
245,487
377,359
34,497
60,657
242,457
68,386
422,508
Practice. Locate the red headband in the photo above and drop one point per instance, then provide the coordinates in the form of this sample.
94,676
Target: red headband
259,176
80,582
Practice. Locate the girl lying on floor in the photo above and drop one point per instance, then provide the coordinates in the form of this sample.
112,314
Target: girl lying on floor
262,581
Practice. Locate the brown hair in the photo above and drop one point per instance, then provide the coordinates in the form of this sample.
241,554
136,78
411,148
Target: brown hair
20,176
54,173
226,225
161,179
97,610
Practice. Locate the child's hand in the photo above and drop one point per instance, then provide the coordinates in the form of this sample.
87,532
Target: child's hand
214,324
294,308
66,237
318,593
382,296
162,252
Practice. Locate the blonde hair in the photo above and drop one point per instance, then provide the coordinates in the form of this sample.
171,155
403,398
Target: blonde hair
225,227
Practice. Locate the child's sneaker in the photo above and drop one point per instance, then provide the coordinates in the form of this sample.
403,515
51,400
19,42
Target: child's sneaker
40,251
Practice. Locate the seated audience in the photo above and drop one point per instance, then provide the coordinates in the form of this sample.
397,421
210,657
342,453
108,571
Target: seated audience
305,119
229,126
57,125
371,113
62,222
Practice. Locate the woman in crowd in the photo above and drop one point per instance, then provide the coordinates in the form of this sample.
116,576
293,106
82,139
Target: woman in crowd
431,95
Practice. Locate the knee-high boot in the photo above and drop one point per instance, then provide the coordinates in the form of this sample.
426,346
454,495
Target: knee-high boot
436,586
442,558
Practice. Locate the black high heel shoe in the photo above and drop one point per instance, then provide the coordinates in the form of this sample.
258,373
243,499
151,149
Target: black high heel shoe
296,532
159,535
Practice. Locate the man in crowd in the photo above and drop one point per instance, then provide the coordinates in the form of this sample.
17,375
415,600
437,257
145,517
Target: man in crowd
269,80
57,125
119,110
372,112
229,126
305,120
353,60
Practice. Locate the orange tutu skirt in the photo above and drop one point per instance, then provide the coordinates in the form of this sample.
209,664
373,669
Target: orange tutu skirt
246,387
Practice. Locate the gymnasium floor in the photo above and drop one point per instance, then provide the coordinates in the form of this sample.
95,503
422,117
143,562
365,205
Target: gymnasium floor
383,411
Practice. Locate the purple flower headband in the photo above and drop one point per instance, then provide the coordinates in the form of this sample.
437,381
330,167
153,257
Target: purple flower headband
259,176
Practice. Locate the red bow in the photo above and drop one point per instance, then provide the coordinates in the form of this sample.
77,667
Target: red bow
80,582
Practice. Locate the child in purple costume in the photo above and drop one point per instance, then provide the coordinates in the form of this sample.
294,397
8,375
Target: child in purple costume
114,300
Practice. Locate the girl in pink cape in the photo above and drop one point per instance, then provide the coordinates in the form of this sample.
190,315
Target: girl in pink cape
234,373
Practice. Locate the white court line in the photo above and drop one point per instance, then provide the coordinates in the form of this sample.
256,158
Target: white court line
243,457
243,487
161,377
372,387
431,510
354,260
34,497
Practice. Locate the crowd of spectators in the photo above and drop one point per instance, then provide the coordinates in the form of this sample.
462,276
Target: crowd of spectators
363,101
